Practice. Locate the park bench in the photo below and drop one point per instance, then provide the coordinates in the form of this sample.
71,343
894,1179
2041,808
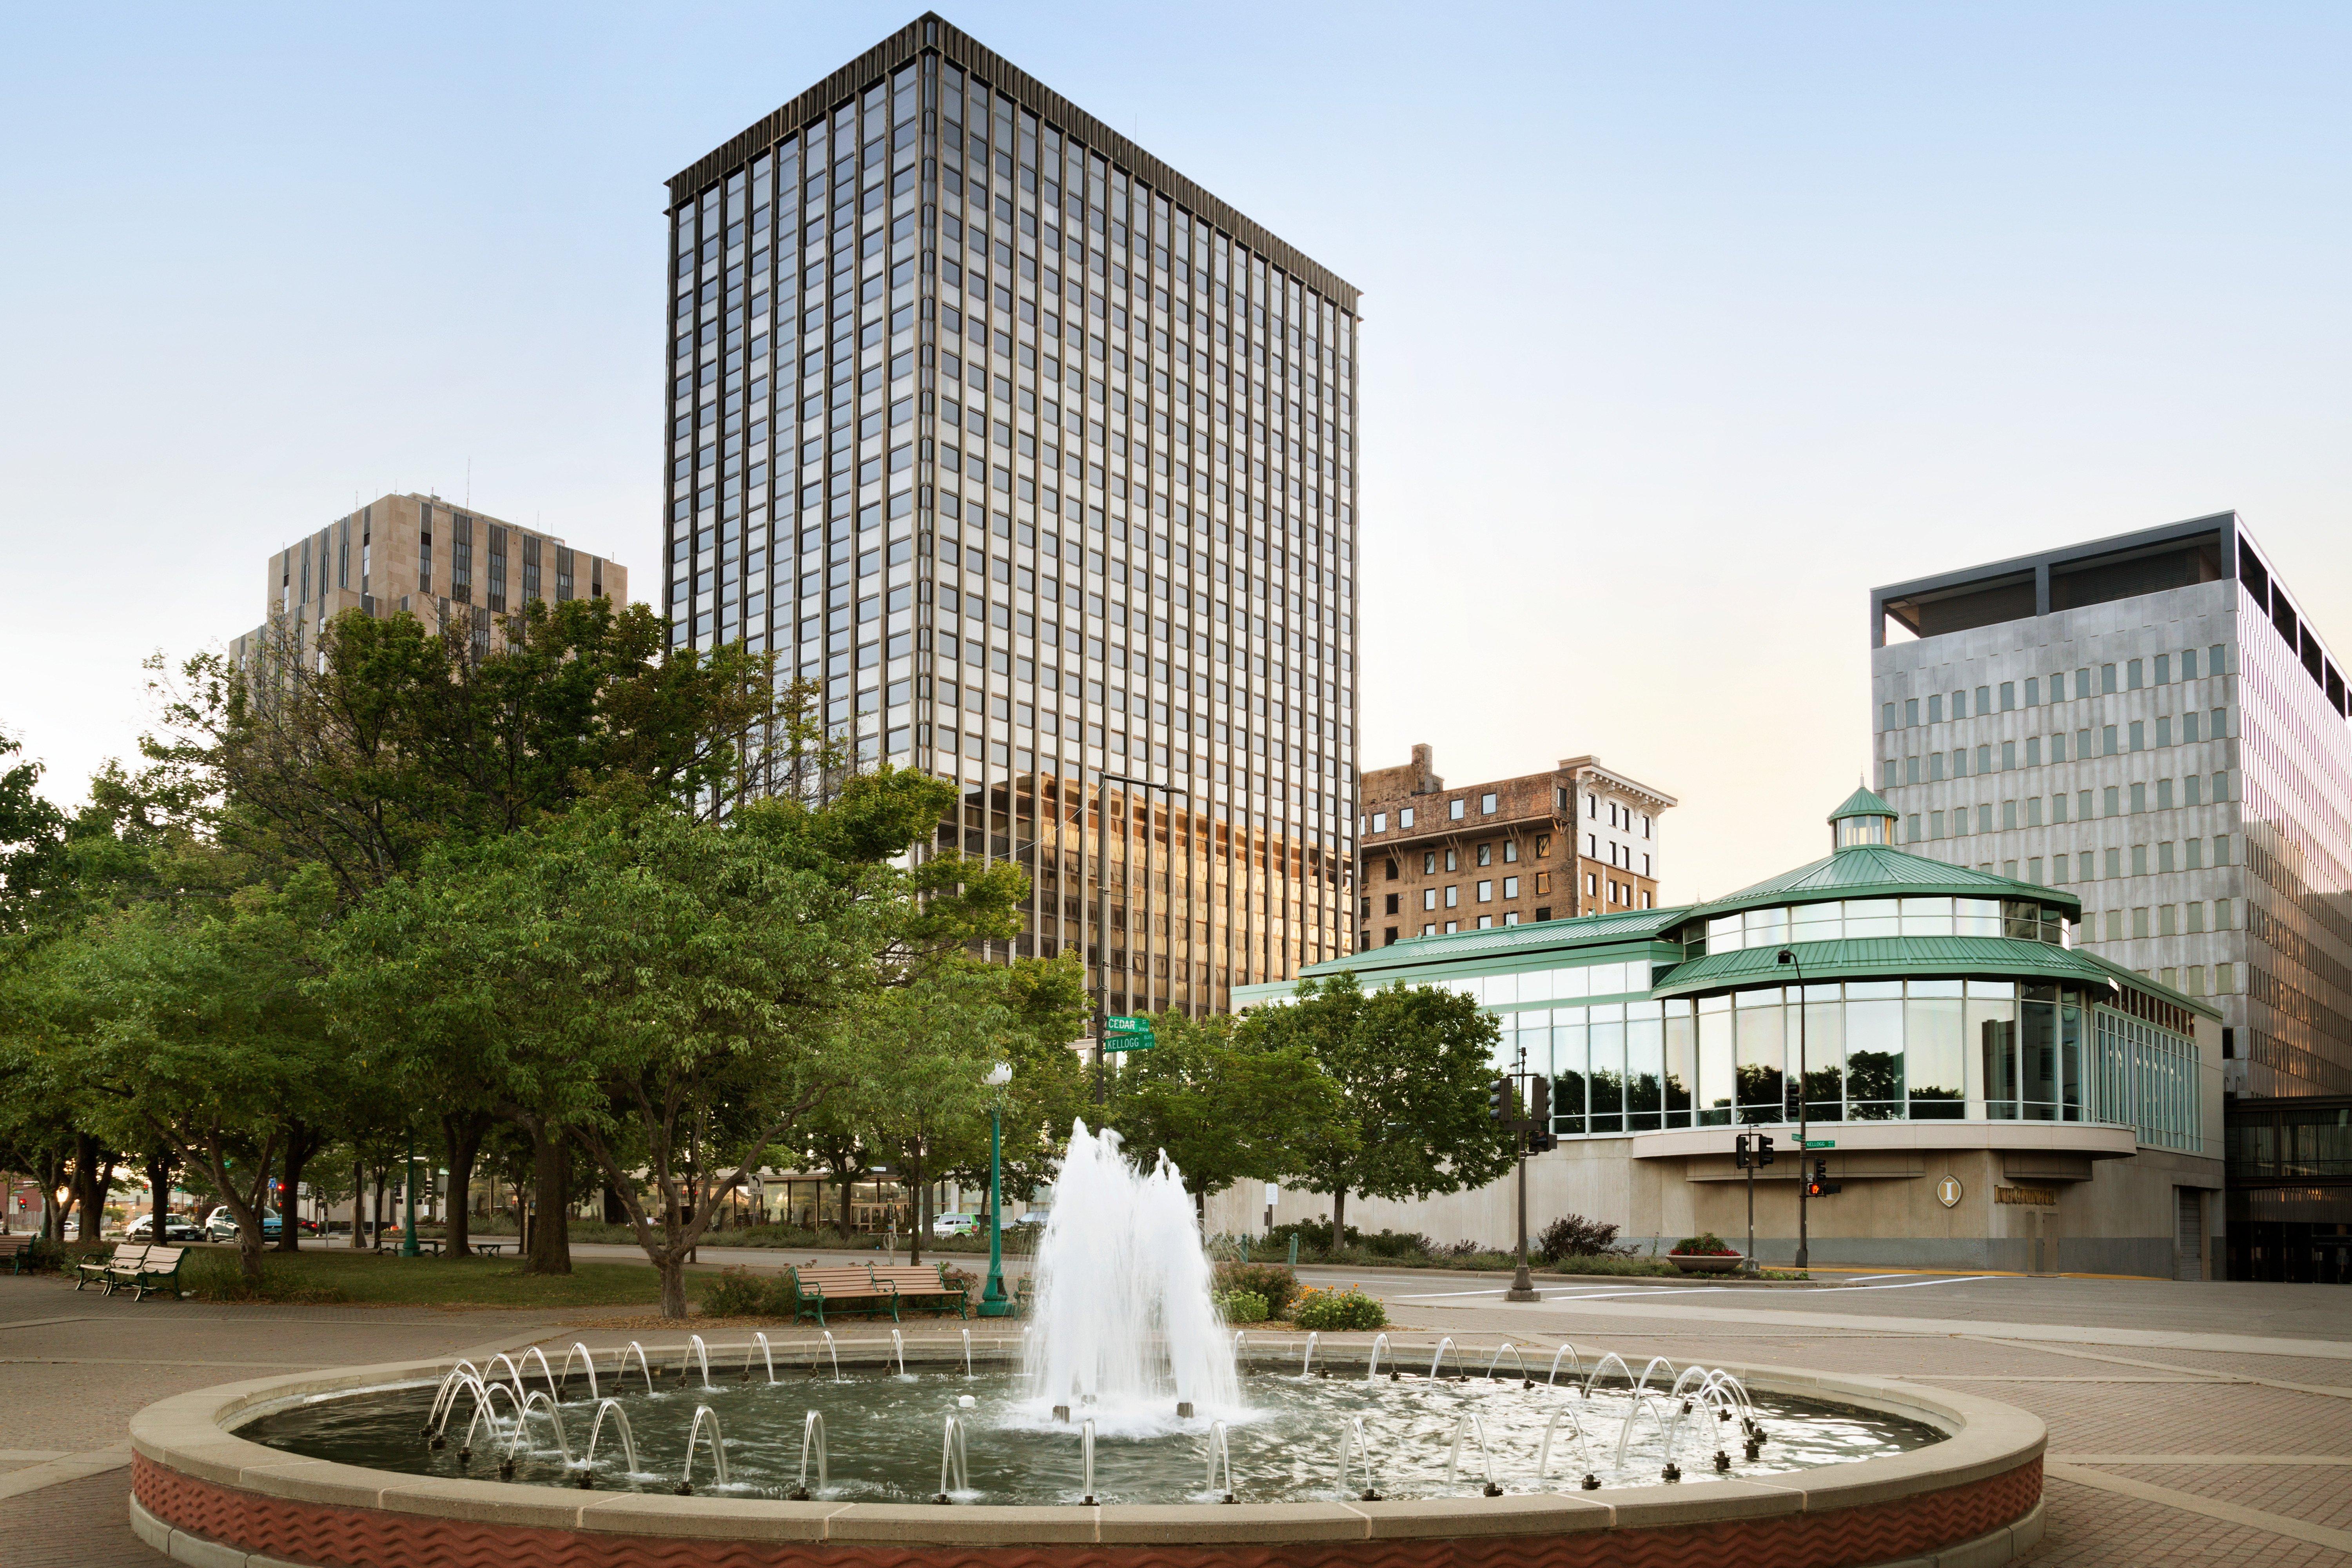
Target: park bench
18,1250
1024,1296
158,1272
94,1270
865,1286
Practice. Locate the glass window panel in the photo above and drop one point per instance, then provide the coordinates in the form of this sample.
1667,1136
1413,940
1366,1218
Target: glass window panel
1977,917
1723,934
1571,983
1762,1054
1873,916
1568,1060
1715,1074
1681,1046
1926,917
1934,1068
1766,928
1816,922
1874,1051
1824,1054
1499,988
1608,1069
2070,1061
1645,1058
2037,1040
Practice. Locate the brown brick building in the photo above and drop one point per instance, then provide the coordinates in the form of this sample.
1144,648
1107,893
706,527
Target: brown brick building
1577,840
435,561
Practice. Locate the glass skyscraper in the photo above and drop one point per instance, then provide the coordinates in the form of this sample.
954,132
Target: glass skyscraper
1040,461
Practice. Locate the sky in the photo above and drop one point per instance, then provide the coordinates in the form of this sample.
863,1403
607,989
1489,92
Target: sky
1684,325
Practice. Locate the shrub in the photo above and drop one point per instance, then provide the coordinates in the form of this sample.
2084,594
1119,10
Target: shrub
1398,1244
1273,1283
1705,1242
1573,1235
1328,1311
1240,1306
1467,1248
1314,1235
740,1293
1611,1263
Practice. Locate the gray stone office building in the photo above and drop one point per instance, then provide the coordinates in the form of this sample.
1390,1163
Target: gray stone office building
2149,722
1039,460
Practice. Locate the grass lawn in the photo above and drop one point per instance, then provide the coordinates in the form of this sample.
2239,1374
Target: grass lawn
327,1274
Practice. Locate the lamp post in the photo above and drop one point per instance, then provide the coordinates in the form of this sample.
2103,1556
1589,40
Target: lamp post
993,1300
408,1197
1102,914
1804,1250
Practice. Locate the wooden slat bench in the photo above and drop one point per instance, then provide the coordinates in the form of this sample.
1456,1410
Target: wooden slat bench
94,1270
871,1288
17,1248
156,1274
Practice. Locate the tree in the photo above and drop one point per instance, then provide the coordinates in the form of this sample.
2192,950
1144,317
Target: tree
1226,1102
1412,1065
32,844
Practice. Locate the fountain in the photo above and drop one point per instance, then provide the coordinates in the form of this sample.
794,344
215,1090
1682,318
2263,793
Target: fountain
1123,1313
1125,1354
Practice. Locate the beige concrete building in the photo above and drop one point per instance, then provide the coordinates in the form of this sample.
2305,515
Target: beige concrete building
1577,840
420,555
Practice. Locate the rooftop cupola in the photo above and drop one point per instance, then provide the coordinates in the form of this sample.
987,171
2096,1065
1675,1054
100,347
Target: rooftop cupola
1864,818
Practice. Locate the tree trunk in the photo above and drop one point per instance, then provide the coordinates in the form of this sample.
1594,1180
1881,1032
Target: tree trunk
1339,1219
53,1214
302,1141
551,1172
848,1186
463,1133
672,1267
89,1192
159,1194
922,1195
375,1213
359,1204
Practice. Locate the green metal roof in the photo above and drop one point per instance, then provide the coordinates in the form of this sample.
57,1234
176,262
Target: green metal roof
1502,944
1863,802
1880,871
1919,957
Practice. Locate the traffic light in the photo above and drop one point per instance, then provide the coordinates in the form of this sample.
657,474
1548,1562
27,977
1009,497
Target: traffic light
1539,1108
1498,1101
1819,1185
1740,1159
1763,1147
1542,1142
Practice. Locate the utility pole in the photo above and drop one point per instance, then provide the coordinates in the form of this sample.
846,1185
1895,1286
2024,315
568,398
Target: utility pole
1102,914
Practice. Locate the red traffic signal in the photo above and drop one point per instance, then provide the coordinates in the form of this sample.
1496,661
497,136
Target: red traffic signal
1818,1184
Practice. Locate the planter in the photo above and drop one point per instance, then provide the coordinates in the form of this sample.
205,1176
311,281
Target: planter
1707,1262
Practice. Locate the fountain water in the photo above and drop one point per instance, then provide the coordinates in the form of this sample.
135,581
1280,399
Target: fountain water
1372,1370
1306,1362
767,1357
1123,1312
1469,1421
638,1351
702,1353
1352,1444
545,1371
587,1355
611,1408
812,1440
898,1350
1218,1449
1568,1349
952,1460
1439,1355
717,1448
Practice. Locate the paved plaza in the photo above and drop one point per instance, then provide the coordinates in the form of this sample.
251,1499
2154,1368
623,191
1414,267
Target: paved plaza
2188,1423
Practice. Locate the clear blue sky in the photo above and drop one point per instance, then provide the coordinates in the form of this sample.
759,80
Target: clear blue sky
1685,325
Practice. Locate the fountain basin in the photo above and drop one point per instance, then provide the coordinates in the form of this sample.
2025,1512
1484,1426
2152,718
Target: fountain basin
205,1494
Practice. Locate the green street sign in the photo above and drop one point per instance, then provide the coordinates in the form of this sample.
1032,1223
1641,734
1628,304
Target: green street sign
1122,1032
1821,1143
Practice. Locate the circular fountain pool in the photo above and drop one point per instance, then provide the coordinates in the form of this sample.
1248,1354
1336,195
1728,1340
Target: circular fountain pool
884,1437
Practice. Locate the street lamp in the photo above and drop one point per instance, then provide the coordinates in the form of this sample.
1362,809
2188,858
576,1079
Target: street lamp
993,1303
1804,1250
1102,912
408,1196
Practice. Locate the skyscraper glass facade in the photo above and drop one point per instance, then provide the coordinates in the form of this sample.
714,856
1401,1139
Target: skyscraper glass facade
1040,463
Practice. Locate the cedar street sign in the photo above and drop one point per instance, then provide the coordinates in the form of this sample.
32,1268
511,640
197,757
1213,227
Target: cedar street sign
1123,1032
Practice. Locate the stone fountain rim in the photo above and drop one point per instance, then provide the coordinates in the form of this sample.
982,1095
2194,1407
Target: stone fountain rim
191,1435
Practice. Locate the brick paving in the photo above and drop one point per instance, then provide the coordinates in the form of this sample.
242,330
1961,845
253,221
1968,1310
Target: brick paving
72,1385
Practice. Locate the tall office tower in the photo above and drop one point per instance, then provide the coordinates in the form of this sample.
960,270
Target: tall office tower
420,554
2149,722
1040,461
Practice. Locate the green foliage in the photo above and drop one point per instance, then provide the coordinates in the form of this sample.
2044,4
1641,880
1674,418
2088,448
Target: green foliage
740,1293
1573,1235
1705,1242
1412,1064
1612,1264
1275,1283
1240,1306
1225,1104
1339,1312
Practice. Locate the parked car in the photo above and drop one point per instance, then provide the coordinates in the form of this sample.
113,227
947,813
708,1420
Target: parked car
175,1229
954,1224
221,1226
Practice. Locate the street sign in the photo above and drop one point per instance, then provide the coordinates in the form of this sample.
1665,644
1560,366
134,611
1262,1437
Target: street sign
1821,1143
1122,1032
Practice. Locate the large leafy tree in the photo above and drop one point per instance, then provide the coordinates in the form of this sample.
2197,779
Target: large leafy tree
1227,1101
31,843
1412,1065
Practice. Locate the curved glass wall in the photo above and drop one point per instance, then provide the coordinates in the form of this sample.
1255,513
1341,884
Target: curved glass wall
1883,1050
1842,918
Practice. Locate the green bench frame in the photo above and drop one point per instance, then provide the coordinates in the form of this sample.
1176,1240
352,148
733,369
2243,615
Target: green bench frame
811,1301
